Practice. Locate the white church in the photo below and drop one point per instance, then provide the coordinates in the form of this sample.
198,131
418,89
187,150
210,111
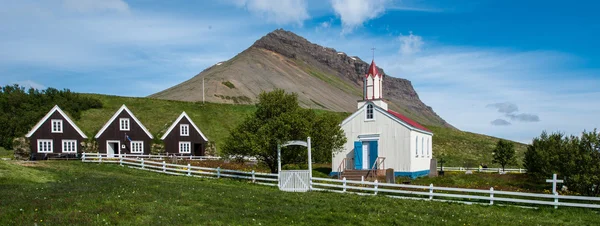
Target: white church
381,138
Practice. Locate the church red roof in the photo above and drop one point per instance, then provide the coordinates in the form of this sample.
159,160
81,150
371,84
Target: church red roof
373,70
408,120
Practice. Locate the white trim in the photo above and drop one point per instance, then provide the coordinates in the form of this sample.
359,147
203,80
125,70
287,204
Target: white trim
55,108
189,147
63,142
368,137
59,127
384,112
124,121
135,143
123,108
183,114
50,146
118,146
187,130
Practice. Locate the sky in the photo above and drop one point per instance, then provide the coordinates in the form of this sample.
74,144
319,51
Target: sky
509,69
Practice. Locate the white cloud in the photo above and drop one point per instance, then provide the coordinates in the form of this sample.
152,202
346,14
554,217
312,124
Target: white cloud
85,6
354,13
460,82
410,44
279,12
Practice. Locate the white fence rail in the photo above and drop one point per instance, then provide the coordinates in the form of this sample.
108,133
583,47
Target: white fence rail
185,170
447,194
464,195
486,170
106,157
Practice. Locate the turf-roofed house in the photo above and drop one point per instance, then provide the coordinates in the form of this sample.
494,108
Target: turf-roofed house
379,138
56,135
124,134
184,138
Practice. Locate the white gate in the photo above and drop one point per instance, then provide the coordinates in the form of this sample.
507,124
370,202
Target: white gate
294,180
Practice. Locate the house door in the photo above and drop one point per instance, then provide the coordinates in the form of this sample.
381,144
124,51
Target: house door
112,147
198,150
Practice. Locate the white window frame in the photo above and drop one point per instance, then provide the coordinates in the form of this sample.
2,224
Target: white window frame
372,108
50,146
423,146
187,130
134,146
189,147
67,148
59,125
124,124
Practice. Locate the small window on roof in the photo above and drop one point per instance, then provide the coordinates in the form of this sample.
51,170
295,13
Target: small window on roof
369,112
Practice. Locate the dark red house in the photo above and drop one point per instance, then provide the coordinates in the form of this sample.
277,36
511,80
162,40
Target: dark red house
184,138
55,136
124,134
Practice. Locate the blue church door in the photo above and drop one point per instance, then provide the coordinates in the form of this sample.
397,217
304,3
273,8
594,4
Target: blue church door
365,154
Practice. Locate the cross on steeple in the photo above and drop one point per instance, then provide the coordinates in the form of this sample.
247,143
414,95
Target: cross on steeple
373,50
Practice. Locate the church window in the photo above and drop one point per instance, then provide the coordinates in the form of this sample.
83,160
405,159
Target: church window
417,146
369,112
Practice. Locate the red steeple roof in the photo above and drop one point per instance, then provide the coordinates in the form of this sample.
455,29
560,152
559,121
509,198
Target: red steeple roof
408,120
373,70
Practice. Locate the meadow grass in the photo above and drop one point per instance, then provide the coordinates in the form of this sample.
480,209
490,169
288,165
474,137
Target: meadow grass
75,193
6,153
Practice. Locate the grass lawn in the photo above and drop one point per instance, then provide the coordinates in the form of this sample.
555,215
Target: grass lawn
6,153
71,192
506,182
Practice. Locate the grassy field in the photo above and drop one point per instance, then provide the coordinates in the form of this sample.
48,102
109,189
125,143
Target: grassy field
216,120
506,182
6,153
75,193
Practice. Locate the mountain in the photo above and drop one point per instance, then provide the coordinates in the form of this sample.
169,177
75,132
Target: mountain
322,77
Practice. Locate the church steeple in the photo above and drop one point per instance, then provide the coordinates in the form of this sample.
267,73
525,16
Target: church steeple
373,87
373,84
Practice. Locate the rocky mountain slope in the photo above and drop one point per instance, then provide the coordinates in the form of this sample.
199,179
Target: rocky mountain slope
323,78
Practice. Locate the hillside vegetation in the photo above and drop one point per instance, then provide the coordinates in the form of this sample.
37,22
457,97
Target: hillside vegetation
216,120
76,193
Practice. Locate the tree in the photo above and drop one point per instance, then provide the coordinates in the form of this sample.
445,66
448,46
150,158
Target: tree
279,118
577,159
504,153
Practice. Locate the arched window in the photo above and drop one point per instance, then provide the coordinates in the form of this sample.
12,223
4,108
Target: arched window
369,112
417,146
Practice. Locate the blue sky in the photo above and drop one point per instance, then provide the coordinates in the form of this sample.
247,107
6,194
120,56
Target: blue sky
509,69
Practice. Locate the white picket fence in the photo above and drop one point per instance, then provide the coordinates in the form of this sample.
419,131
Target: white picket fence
107,157
485,170
185,170
403,191
448,194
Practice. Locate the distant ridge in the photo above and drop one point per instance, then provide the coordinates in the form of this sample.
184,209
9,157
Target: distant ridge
322,77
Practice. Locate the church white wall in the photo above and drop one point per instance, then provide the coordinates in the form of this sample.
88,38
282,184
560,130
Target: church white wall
394,141
421,150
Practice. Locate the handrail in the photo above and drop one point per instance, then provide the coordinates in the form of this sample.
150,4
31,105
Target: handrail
373,171
341,168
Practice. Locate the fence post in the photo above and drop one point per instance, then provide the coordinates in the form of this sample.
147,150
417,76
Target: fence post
519,170
491,196
189,170
362,180
83,157
121,160
253,177
375,187
344,185
430,191
100,161
164,167
142,163
218,172
190,157
556,200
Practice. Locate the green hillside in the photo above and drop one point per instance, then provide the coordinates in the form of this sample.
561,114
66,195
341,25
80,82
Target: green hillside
215,121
